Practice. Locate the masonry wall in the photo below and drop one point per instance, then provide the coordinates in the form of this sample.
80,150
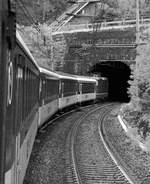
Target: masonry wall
76,53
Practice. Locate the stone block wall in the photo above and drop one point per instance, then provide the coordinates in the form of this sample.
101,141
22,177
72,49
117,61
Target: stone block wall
76,52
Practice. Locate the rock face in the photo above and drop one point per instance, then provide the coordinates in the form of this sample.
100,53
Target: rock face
76,52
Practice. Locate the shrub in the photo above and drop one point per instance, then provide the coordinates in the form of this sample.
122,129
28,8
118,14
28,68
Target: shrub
140,79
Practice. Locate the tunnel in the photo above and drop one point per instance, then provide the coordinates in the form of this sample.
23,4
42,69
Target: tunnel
118,75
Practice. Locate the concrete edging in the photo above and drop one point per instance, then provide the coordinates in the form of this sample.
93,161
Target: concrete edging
126,127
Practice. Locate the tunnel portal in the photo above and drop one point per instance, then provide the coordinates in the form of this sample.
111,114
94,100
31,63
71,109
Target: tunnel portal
118,75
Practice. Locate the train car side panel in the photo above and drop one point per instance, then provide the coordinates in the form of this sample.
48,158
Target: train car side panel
26,148
67,101
88,97
46,111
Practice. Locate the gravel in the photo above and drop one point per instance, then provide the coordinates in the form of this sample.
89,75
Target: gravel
94,163
47,160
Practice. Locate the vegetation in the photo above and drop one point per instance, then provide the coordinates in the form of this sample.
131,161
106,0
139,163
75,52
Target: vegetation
39,11
47,11
39,14
138,111
124,9
39,43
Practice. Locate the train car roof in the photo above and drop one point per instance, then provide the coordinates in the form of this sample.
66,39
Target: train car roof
66,75
100,78
79,78
48,72
24,46
56,74
86,79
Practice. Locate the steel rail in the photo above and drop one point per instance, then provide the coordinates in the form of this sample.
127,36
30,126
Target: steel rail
74,167
73,135
102,137
45,125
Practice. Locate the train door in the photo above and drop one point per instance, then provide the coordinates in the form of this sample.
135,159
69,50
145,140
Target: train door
62,90
80,92
59,88
18,114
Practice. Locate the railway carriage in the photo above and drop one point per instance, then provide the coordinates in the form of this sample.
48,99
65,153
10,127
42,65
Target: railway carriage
68,90
26,107
87,89
22,112
49,94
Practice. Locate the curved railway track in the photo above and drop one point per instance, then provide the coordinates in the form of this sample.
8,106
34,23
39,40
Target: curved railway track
58,116
91,164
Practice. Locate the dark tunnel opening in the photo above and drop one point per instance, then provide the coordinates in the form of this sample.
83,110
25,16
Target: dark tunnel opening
118,75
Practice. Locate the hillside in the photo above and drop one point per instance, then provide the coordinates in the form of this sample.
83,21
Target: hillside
44,12
39,11
47,11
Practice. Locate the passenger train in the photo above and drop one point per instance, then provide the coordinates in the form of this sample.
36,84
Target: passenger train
30,95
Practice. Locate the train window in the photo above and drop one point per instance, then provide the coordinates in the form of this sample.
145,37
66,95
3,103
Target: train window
52,89
88,87
19,96
69,88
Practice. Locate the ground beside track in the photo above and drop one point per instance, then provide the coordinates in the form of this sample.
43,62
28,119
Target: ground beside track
135,161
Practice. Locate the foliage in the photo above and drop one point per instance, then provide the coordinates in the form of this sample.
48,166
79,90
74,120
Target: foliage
127,8
137,113
137,119
49,10
140,85
39,43
39,11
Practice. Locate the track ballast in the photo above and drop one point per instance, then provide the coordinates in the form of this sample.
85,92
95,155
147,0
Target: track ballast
87,159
